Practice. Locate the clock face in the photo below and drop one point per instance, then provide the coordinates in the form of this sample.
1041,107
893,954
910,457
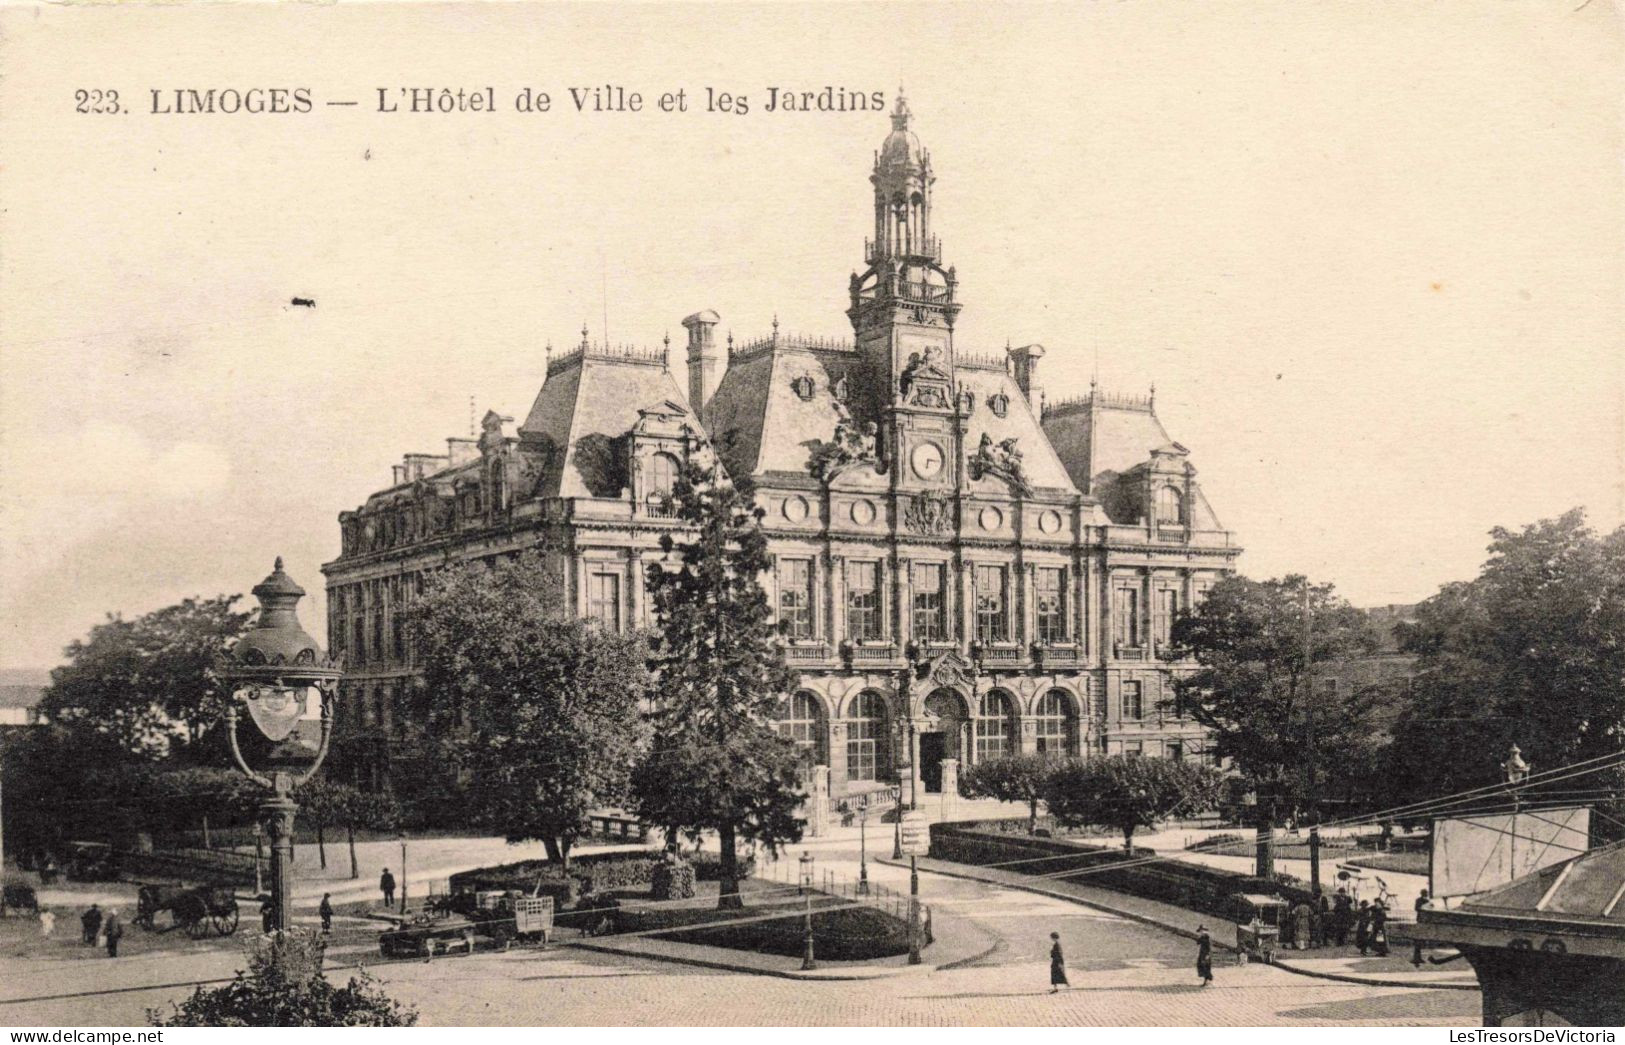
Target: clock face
927,460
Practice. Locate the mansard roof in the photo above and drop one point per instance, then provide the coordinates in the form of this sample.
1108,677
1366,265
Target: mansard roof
760,421
1045,469
1101,433
593,396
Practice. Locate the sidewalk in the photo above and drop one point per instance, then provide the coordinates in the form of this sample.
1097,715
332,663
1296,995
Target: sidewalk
1392,971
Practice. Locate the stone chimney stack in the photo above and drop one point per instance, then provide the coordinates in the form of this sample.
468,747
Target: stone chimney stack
1024,364
705,362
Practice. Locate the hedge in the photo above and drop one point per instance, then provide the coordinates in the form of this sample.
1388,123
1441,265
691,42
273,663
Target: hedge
848,934
594,873
1190,886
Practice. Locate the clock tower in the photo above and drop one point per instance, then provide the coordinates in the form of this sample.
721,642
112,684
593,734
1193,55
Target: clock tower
902,311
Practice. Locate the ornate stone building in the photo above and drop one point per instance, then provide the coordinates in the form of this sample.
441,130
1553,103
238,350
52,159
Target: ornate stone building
961,571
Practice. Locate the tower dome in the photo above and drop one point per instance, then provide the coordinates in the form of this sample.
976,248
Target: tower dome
902,146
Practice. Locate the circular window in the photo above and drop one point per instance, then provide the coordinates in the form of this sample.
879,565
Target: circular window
863,512
795,508
1049,522
991,518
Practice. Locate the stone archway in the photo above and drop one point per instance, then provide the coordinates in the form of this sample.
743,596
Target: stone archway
941,734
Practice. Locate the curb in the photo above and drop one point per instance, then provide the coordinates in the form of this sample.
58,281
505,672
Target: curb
869,973
1187,934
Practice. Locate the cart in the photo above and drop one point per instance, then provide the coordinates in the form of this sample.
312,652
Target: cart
199,910
1258,925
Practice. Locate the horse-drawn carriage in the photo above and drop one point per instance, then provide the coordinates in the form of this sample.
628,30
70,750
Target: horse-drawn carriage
199,909
15,896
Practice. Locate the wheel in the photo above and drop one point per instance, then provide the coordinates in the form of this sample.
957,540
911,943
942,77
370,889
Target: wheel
225,922
197,927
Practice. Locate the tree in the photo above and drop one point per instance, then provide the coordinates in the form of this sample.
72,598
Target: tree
1252,687
718,762
541,712
1531,652
1014,778
325,802
144,683
283,986
1127,792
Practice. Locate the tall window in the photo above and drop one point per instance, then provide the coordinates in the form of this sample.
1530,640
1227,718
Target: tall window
1170,507
803,723
992,617
930,602
1175,750
795,598
1133,700
661,475
1057,725
863,601
993,727
604,599
1097,697
1126,617
1167,608
1050,594
866,738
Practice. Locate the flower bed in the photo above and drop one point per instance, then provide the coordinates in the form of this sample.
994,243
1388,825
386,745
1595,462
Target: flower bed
593,873
844,934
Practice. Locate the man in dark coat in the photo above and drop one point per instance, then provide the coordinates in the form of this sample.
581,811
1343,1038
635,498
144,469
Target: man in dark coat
91,923
113,930
1379,929
1057,964
1342,916
326,911
1204,955
386,885
1362,928
1416,952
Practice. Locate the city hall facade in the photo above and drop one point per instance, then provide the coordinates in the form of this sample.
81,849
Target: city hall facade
961,570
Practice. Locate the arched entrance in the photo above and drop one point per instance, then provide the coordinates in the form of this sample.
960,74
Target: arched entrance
941,735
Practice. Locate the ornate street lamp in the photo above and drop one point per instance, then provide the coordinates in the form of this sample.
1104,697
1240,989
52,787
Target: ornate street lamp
863,846
808,962
285,681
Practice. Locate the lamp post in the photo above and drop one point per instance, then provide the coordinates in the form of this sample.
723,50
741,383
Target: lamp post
284,680
806,862
259,855
403,872
863,846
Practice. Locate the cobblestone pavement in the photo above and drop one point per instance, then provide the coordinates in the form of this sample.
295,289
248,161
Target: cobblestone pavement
1123,972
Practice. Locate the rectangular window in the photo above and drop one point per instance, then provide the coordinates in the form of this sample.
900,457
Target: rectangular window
1176,750
930,602
1133,700
1126,617
862,749
1167,608
604,599
1050,593
992,616
795,598
863,601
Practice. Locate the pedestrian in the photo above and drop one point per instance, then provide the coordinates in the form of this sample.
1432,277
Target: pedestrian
47,922
1342,915
326,911
91,923
1362,928
386,885
1379,928
113,931
1416,935
1323,918
267,915
1057,964
1204,955
1302,915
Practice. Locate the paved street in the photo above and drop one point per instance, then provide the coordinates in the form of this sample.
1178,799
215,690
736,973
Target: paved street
1123,973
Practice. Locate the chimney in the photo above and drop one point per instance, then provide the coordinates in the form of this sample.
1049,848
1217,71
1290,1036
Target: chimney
704,361
1024,363
461,450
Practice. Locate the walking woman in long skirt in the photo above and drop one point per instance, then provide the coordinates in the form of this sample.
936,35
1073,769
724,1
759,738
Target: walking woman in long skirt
1057,964
1204,955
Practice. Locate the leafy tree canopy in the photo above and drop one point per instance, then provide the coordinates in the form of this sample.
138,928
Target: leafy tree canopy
541,711
1014,778
1252,684
719,762
1127,792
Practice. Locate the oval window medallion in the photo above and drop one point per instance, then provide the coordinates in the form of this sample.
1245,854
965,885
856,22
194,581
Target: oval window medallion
991,518
1049,522
863,512
795,508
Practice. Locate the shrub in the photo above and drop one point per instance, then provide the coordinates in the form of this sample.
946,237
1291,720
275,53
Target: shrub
283,986
708,866
672,881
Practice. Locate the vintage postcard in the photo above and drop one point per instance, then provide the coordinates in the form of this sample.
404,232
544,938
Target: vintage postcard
812,514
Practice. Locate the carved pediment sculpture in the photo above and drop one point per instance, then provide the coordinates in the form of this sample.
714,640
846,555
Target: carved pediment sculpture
951,669
853,443
1002,461
927,513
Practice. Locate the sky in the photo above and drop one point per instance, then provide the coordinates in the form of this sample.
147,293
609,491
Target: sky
1369,254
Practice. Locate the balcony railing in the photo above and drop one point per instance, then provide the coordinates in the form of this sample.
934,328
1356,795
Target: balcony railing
808,653
929,248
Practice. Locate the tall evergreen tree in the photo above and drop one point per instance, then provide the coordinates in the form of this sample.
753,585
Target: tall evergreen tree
718,762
